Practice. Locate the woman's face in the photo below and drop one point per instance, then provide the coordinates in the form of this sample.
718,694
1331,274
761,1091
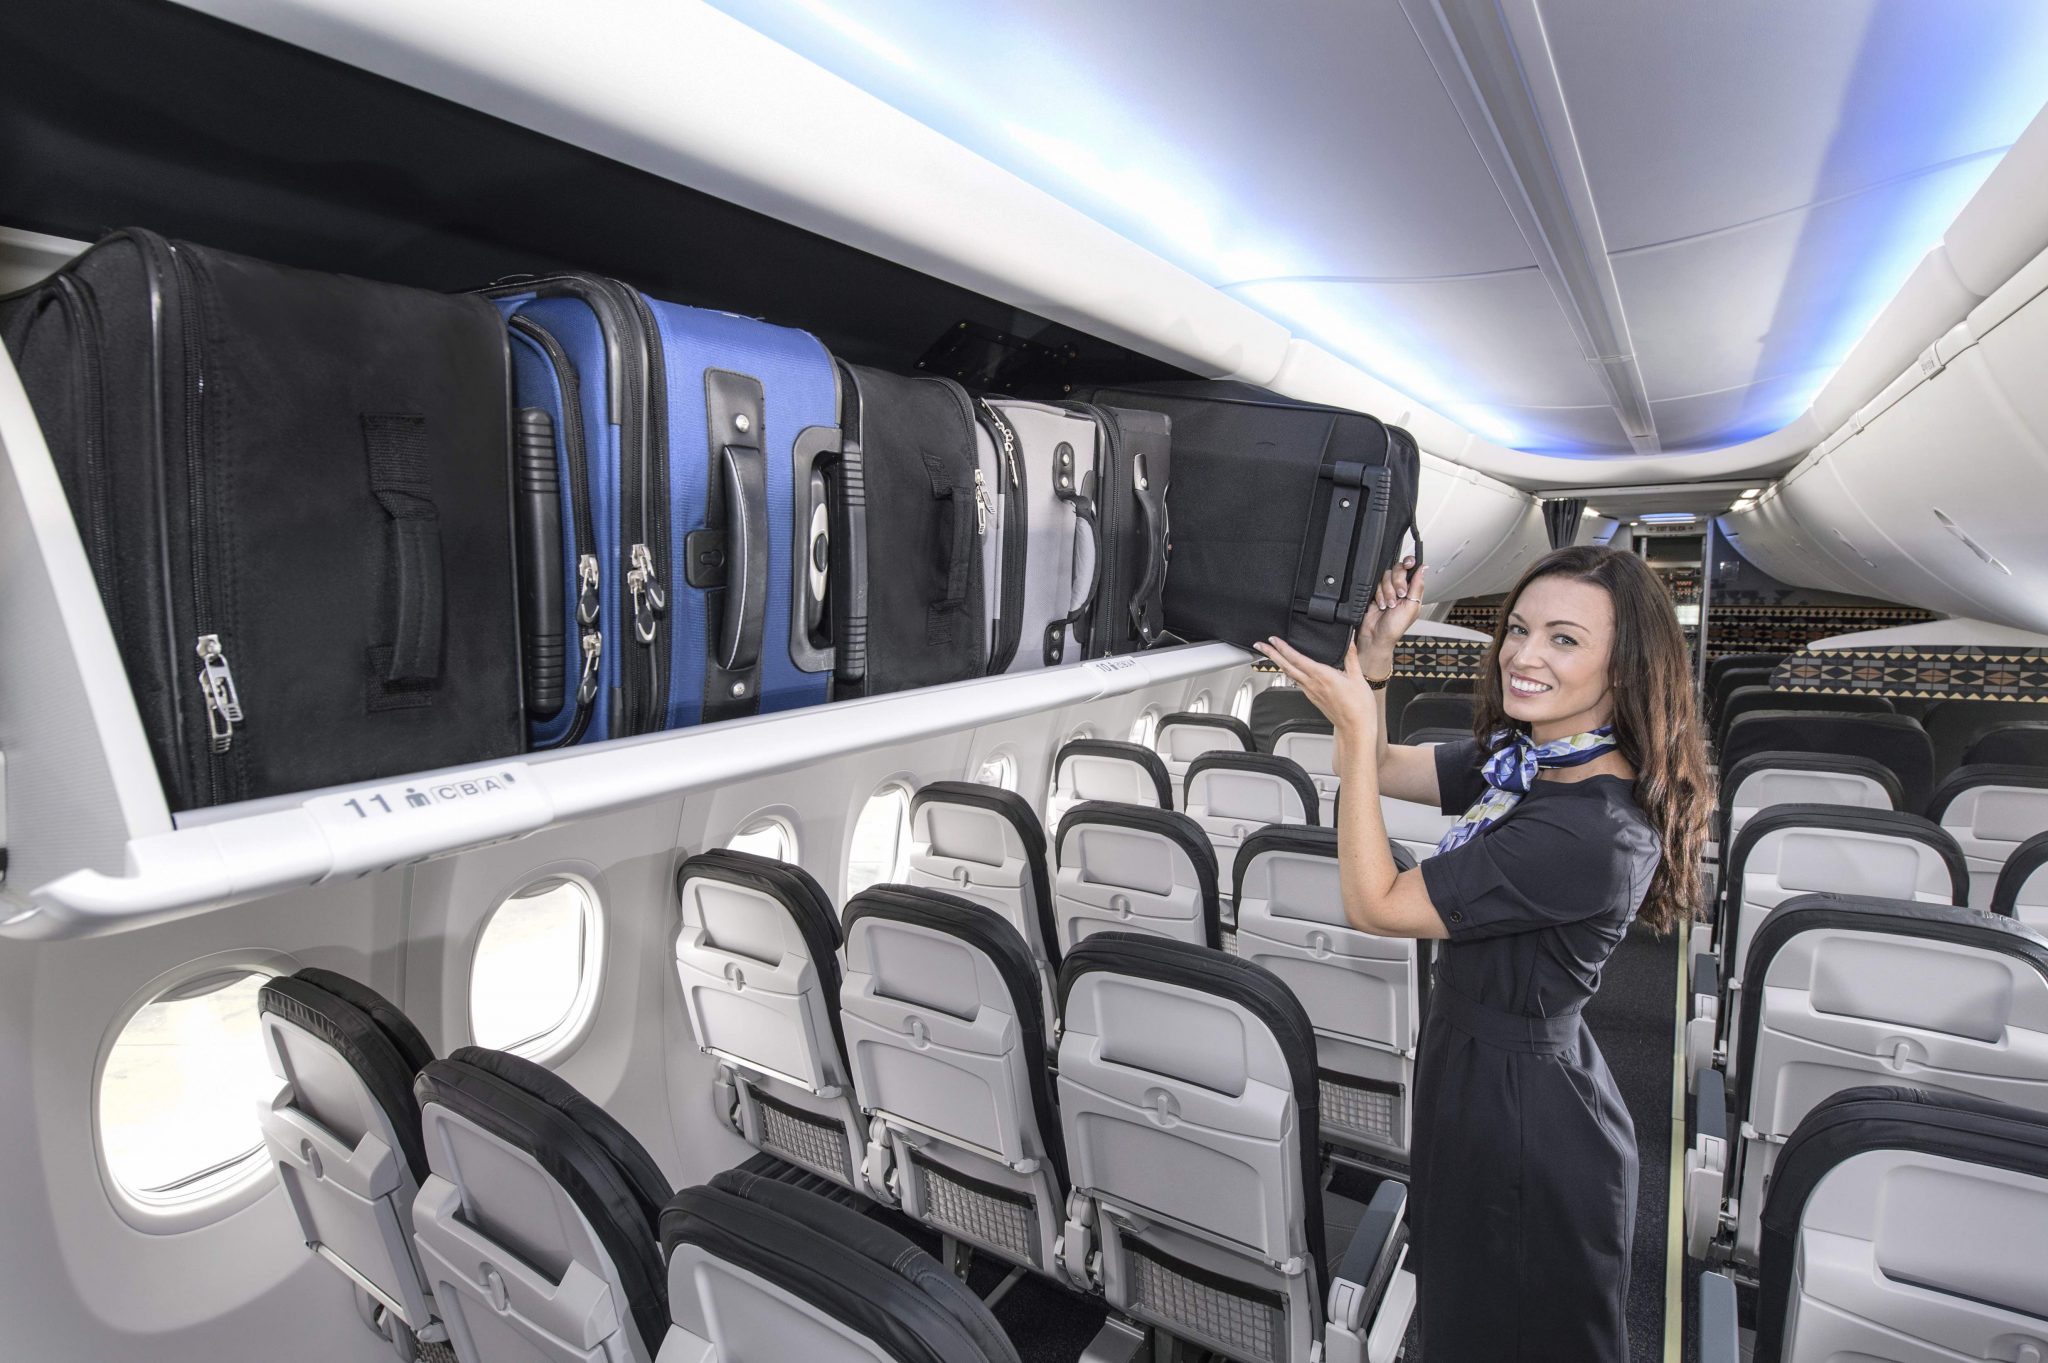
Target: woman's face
1554,658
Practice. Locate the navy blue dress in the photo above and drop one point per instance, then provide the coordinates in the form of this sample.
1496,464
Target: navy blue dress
1523,1194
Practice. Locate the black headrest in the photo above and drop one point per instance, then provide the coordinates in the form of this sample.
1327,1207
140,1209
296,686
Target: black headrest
379,1043
2029,857
1252,987
1285,769
1717,666
1227,723
1720,687
1136,753
852,1268
1899,918
1436,734
995,938
2023,743
810,908
608,1174
1953,725
1973,778
1859,1121
1309,842
1889,823
1176,827
1437,710
1733,777
1277,706
1895,740
1744,700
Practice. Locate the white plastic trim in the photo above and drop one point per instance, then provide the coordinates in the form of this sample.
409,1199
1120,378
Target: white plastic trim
243,852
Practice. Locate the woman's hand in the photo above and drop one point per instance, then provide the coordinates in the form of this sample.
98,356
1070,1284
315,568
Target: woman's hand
1342,695
1395,607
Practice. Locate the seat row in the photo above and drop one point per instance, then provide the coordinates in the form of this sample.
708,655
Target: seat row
481,1201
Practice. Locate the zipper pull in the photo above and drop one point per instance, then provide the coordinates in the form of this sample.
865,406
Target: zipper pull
593,649
981,504
587,583
217,688
648,598
1009,441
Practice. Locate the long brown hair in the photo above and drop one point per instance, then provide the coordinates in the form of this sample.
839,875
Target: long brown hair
1656,714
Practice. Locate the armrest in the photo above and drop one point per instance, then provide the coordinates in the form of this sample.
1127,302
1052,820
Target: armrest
1359,1280
1720,1334
1706,973
1710,1107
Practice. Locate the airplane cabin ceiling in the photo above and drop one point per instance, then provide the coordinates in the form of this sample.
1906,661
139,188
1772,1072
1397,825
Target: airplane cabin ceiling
1574,226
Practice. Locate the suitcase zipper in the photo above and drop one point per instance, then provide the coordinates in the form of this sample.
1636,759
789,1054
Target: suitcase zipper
583,526
647,558
1009,624
217,690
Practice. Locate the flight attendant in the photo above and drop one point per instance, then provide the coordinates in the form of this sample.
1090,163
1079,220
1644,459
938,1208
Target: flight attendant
1584,798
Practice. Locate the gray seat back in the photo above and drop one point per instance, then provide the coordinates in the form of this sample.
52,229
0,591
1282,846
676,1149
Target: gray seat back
1130,869
1100,769
1990,811
1850,990
1311,744
1185,735
537,1223
1362,993
1906,1225
757,958
2022,890
1187,1093
987,846
1800,778
759,1271
1233,795
946,1035
344,1130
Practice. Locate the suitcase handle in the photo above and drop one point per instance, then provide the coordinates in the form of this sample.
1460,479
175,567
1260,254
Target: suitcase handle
1350,485
541,587
745,619
1148,603
395,444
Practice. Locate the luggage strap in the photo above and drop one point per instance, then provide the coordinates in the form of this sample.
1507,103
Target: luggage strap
395,444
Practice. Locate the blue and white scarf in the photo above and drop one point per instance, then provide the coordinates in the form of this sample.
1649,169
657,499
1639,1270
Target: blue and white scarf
1511,771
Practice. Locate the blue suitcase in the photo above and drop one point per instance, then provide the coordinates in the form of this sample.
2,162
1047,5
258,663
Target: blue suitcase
671,510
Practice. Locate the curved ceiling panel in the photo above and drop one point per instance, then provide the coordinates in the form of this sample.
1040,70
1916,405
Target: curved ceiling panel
1514,210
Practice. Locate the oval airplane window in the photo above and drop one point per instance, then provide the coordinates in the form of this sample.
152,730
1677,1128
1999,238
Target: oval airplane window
180,1089
1199,705
1241,703
1145,728
881,840
998,769
533,980
765,835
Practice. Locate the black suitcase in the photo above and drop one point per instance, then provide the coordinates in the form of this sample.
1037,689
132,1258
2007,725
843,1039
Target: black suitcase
911,517
295,492
1285,514
1132,545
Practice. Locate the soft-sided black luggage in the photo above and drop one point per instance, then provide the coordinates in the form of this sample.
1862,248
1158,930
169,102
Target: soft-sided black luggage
1285,514
1130,502
912,513
295,491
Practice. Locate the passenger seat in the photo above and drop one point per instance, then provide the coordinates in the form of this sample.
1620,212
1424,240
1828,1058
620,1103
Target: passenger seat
2023,743
759,1272
947,1036
1902,1224
1231,795
1101,769
1990,811
986,845
344,1133
2022,890
1801,778
1186,735
1311,744
1894,740
1363,993
538,1225
1132,869
757,956
1187,1085
1437,710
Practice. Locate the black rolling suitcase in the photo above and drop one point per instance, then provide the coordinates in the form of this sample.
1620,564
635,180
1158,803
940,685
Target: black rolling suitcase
912,535
294,489
1130,504
1285,514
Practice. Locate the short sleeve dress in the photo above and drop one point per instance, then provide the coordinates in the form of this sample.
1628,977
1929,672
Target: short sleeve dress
1523,1191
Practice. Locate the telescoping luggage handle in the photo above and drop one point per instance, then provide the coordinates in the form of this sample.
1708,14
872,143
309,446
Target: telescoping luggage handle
1358,491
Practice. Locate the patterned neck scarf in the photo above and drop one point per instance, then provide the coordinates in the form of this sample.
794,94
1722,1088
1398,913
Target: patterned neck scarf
1511,771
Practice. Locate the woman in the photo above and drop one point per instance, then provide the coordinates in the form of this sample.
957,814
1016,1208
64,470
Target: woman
1584,797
